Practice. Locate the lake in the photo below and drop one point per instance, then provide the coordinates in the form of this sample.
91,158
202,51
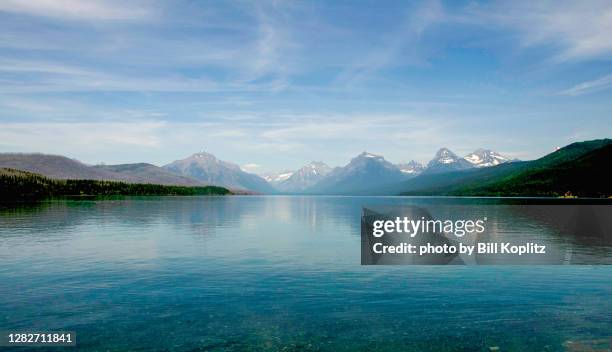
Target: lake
259,273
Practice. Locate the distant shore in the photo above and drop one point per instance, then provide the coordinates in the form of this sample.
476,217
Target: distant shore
17,185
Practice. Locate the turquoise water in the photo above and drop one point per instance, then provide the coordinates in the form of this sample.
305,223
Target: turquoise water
276,274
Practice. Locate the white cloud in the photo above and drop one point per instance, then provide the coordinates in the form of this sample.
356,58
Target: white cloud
78,9
255,52
400,47
70,137
229,133
271,53
281,141
252,48
297,137
41,67
49,76
595,85
251,167
576,30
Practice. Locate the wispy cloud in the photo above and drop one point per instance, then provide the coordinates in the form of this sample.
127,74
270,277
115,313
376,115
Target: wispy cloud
279,142
64,137
273,51
575,30
269,82
255,52
587,87
53,109
79,10
251,167
112,83
17,66
298,135
399,48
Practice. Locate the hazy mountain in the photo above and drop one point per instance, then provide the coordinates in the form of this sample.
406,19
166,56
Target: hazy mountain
446,161
275,177
148,173
411,168
580,168
60,167
485,158
363,172
303,178
212,171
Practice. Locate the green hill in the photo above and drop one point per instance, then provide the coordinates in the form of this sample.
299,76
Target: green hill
582,175
17,185
579,168
444,183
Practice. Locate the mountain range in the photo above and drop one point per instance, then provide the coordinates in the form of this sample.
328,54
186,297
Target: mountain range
300,180
148,173
360,174
58,167
203,168
483,172
485,158
579,169
446,161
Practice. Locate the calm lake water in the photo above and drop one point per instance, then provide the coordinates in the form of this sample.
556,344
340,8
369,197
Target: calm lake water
278,273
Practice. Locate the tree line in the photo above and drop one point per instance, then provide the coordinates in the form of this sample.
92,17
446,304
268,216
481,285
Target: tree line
16,185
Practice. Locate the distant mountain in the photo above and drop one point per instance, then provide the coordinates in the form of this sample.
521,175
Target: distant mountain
486,158
275,177
302,179
444,183
148,173
212,171
412,167
362,173
59,167
446,161
580,168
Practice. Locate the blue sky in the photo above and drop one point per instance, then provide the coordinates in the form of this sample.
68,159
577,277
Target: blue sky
274,85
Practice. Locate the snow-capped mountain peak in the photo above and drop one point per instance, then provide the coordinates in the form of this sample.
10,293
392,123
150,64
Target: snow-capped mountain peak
299,180
412,167
316,168
485,158
446,161
445,156
370,156
361,173
277,176
202,156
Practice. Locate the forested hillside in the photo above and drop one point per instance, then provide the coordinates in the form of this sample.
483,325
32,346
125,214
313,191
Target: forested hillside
16,185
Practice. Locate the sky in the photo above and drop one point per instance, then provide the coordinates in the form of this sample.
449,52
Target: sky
273,85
